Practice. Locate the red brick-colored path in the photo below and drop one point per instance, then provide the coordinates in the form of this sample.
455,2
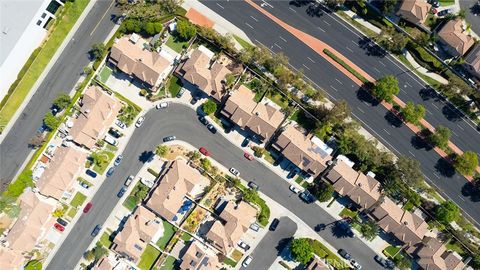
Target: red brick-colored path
318,46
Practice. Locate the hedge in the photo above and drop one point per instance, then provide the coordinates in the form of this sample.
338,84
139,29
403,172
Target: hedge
345,65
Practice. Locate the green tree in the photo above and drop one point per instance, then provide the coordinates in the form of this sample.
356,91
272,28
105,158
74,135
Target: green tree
99,158
250,195
89,256
16,188
258,151
385,88
99,251
409,171
186,30
33,265
323,191
209,107
391,39
62,101
388,6
447,212
440,137
413,113
170,6
301,250
161,150
51,121
9,207
334,3
466,163
206,164
97,51
150,28
369,230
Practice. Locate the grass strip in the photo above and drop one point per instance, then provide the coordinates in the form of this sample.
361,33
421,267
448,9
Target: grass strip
345,65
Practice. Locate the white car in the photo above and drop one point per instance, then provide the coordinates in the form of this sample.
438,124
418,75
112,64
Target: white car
234,172
243,245
162,105
120,124
355,264
247,261
129,181
294,189
140,121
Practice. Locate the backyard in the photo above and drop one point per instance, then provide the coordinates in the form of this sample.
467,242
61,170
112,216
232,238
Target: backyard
149,255
174,86
169,231
176,44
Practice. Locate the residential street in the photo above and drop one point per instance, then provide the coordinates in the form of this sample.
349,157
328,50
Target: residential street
181,121
376,119
62,78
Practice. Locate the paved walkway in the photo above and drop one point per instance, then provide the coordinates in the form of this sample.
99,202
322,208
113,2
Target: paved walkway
361,21
423,70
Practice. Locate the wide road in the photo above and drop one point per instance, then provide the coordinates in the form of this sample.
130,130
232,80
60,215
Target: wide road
62,77
376,119
181,121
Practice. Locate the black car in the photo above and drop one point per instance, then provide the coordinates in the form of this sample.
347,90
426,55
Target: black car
169,138
253,185
203,120
115,133
180,93
344,254
212,128
110,171
121,192
307,197
193,101
96,230
245,142
274,224
91,173
62,222
387,264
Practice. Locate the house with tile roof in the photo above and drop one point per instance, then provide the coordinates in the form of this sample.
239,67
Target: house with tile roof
316,264
431,254
472,61
197,257
97,113
455,38
10,259
414,11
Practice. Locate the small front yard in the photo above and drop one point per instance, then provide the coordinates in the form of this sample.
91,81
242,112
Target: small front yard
78,200
148,257
169,231
176,44
174,86
105,240
348,213
323,252
72,212
139,192
106,157
236,255
391,251
105,74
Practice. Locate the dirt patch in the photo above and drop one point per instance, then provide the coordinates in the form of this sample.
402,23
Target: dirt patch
176,150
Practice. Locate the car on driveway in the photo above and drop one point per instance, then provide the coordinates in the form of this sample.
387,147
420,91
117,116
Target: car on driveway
234,172
355,264
445,12
96,230
344,254
248,156
169,138
87,207
194,100
118,160
180,93
62,222
91,173
245,142
203,120
243,245
129,180
307,197
84,185
59,227
212,128
387,264
115,133
110,171
254,227
253,185
247,261
140,121
294,189
121,192
162,105
120,124
274,224
204,151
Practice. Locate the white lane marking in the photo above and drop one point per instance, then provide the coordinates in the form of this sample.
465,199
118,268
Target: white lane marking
306,66
376,69
338,81
435,105
264,3
411,153
460,127
99,21
277,45
408,84
249,25
354,42
436,175
282,38
220,5
360,109
326,23
310,59
461,198
292,9
255,19
348,48
386,131
381,63
454,133
353,86
429,112
334,88
403,91
321,29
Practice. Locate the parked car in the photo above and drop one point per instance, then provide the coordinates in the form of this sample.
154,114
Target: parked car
180,93
115,133
121,192
140,121
194,100
120,124
344,254
307,197
129,180
294,189
254,227
162,105
84,185
243,245
62,222
248,156
87,207
204,151
387,264
203,120
118,160
212,128
169,138
355,264
96,230
434,3
247,261
110,171
274,224
253,185
445,12
110,140
91,173
245,142
234,172
59,227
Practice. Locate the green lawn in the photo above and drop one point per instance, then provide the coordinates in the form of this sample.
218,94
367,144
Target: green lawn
132,200
348,213
268,157
175,44
169,231
278,99
390,251
168,264
72,212
446,2
78,200
149,255
104,74
174,86
323,252
103,167
105,240
245,44
186,237
73,11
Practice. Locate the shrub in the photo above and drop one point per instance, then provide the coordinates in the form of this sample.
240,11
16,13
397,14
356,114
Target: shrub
301,250
186,30
209,107
466,163
50,121
62,101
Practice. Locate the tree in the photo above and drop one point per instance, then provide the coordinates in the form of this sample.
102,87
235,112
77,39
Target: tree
186,30
161,150
89,256
87,70
466,163
413,113
301,250
9,207
62,101
206,164
99,251
388,6
170,6
258,151
391,39
99,158
50,121
369,230
447,212
334,3
440,137
16,188
409,171
150,28
323,191
209,107
97,51
250,195
385,88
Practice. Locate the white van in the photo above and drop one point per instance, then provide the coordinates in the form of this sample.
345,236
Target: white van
109,139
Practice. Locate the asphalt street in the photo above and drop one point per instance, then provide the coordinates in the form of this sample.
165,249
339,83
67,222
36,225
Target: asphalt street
61,78
272,245
181,121
376,119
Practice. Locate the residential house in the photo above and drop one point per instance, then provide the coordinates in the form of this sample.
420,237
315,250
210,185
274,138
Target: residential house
302,151
60,174
206,76
196,258
141,228
414,11
316,264
236,218
130,55
33,222
10,259
472,61
262,119
454,37
431,254
97,113
360,188
178,181
407,227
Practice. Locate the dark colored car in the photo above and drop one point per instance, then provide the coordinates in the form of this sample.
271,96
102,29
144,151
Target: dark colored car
253,185
110,171
121,192
307,197
274,224
180,93
245,142
212,128
118,160
87,207
169,138
194,100
91,173
387,264
62,222
344,254
203,120
115,133
96,230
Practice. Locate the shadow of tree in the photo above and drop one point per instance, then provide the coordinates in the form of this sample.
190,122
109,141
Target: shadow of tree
444,167
145,156
472,190
371,48
365,96
282,244
393,120
419,143
451,113
339,232
427,93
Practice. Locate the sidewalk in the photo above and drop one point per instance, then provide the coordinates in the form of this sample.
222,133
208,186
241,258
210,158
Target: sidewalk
423,70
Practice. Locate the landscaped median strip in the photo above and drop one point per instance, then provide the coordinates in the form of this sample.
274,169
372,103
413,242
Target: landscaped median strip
355,73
